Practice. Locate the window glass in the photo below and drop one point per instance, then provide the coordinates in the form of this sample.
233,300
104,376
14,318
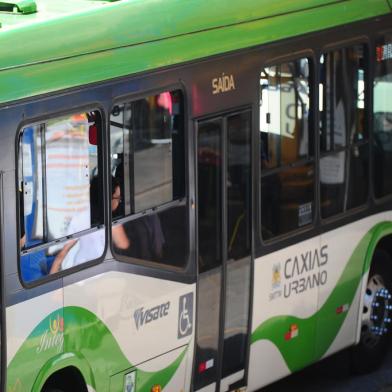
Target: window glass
284,113
287,200
343,135
359,176
30,188
342,97
209,171
287,193
238,185
148,170
148,142
60,194
382,115
332,183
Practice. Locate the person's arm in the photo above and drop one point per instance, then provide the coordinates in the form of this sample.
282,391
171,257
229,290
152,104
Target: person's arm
22,241
120,238
60,256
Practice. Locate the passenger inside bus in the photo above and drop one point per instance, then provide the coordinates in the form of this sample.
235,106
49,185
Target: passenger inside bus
91,246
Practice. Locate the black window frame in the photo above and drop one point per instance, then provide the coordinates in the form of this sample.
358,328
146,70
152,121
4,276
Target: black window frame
376,38
311,158
365,41
40,120
183,201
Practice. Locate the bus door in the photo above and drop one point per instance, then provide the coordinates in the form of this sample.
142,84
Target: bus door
224,251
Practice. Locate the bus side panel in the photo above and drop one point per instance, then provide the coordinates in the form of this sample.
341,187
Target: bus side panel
343,259
35,335
119,320
284,304
340,298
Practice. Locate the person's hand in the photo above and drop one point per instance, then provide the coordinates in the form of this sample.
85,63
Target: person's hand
56,266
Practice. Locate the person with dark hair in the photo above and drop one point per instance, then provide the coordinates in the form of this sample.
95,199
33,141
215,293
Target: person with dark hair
91,246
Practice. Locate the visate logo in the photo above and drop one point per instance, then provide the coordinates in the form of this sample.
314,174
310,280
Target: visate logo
142,316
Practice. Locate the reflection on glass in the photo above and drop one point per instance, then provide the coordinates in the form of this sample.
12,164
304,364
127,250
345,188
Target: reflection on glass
342,98
359,176
157,237
147,149
60,194
239,242
382,115
209,158
343,132
209,168
67,175
236,315
36,264
332,183
30,192
208,311
284,113
238,185
287,200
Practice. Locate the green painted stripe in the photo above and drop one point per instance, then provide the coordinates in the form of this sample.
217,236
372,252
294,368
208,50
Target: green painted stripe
301,351
97,65
88,345
71,29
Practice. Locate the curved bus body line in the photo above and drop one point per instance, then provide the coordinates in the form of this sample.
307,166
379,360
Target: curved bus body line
195,195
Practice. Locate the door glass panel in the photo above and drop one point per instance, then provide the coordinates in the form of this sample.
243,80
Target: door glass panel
210,251
238,186
208,313
210,194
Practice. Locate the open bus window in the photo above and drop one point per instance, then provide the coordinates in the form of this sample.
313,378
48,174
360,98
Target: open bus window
287,192
60,194
148,159
382,117
343,133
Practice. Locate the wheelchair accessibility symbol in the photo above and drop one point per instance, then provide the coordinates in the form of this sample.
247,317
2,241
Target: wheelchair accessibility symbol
185,315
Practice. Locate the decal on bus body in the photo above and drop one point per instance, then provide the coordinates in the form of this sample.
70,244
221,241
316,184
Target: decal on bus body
223,84
318,314
97,321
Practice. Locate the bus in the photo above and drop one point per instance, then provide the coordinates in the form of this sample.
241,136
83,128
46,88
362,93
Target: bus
194,196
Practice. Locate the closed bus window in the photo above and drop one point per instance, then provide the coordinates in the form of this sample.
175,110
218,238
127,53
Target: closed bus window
287,176
284,113
382,115
60,194
343,133
148,161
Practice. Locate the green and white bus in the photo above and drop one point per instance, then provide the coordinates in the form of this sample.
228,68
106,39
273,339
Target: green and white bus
194,195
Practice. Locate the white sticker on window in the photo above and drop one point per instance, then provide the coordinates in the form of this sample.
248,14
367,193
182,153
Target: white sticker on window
304,214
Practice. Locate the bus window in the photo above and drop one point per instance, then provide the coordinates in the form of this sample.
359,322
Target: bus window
59,195
343,133
382,117
148,159
287,193
284,113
